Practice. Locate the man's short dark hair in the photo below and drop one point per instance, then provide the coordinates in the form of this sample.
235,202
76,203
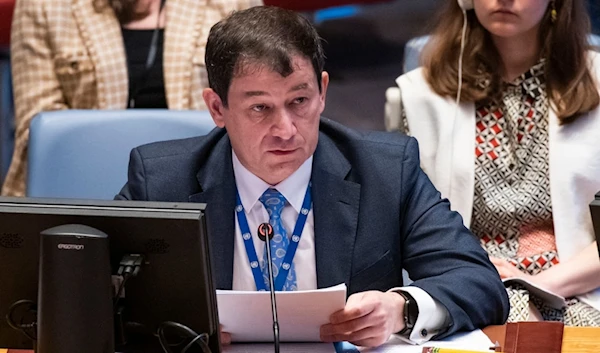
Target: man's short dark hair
262,34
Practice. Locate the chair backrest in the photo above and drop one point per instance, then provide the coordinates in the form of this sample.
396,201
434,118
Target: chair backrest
7,116
595,41
414,47
412,52
85,153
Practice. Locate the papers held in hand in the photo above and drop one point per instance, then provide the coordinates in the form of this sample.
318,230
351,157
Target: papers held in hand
246,315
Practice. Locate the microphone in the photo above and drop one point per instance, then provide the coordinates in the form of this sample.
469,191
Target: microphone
265,233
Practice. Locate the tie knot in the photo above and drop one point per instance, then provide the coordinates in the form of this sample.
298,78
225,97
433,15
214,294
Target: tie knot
273,201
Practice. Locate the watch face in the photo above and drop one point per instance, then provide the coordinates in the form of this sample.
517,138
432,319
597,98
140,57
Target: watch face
409,316
411,311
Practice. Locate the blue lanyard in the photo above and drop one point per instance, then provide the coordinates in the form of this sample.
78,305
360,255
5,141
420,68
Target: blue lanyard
291,250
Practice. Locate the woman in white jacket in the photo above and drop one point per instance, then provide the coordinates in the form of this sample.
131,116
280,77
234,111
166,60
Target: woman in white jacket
519,154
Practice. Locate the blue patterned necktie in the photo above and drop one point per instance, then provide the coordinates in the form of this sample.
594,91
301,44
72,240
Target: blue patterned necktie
274,202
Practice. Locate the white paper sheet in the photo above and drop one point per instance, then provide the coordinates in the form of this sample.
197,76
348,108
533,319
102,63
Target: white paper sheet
475,341
247,315
283,348
552,299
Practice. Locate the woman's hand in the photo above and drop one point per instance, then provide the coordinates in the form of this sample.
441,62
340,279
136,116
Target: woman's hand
508,270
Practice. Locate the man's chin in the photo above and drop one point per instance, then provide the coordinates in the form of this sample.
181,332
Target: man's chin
278,172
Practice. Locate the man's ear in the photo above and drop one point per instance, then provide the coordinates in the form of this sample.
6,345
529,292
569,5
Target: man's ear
214,105
324,85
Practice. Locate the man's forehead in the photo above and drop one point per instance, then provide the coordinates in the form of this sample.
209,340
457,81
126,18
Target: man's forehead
257,67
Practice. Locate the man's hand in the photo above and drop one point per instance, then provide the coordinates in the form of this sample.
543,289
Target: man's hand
225,336
508,270
368,319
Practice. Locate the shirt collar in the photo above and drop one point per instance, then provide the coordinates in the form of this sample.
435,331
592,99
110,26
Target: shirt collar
532,82
250,187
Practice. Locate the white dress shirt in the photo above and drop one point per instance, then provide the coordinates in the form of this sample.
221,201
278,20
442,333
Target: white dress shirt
432,315
293,188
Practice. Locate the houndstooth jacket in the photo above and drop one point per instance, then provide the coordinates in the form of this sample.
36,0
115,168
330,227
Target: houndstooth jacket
69,54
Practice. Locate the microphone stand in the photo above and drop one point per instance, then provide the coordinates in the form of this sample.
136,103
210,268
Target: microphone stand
266,230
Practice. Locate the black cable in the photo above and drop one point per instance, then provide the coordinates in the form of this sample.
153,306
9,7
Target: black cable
169,324
198,339
126,276
203,341
129,266
32,308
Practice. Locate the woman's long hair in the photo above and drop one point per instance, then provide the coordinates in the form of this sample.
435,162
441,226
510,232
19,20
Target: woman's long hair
570,84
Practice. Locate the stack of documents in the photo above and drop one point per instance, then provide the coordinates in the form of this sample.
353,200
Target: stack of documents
468,341
284,348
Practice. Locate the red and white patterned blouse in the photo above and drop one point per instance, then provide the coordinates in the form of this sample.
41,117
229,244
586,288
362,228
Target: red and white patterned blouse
512,211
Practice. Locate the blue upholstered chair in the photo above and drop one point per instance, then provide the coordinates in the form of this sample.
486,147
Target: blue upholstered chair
595,41
7,121
85,153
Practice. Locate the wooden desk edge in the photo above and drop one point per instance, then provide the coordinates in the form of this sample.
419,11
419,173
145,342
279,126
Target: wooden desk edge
575,339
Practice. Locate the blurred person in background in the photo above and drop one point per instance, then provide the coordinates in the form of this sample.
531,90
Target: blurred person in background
107,54
518,156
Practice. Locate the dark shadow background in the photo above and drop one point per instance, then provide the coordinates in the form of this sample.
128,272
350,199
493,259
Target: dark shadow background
364,57
365,53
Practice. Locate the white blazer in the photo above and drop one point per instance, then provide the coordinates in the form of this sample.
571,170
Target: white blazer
446,136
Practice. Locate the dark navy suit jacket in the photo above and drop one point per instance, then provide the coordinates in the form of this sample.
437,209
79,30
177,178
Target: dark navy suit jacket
375,212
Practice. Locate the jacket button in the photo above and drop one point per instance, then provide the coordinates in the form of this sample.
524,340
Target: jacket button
424,332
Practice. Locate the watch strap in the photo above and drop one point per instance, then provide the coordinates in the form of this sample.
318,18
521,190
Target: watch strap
410,313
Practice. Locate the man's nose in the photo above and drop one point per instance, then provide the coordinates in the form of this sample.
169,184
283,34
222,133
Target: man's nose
284,126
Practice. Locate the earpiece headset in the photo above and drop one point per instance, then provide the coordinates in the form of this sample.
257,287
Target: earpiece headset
465,4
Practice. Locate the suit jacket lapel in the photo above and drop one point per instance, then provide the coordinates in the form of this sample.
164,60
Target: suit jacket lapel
335,202
336,205
183,26
100,30
217,183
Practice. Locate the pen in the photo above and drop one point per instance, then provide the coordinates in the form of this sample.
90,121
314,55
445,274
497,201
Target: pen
448,350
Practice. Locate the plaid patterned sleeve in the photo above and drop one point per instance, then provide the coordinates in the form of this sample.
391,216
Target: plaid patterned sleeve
45,34
36,87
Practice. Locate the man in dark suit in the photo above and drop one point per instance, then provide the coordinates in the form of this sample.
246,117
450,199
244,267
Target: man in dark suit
353,207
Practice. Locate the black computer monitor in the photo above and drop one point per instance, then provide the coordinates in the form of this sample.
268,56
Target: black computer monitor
174,284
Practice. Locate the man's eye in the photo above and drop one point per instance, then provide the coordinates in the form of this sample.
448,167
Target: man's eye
300,100
259,108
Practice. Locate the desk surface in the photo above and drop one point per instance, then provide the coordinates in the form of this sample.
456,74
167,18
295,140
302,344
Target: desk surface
575,339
